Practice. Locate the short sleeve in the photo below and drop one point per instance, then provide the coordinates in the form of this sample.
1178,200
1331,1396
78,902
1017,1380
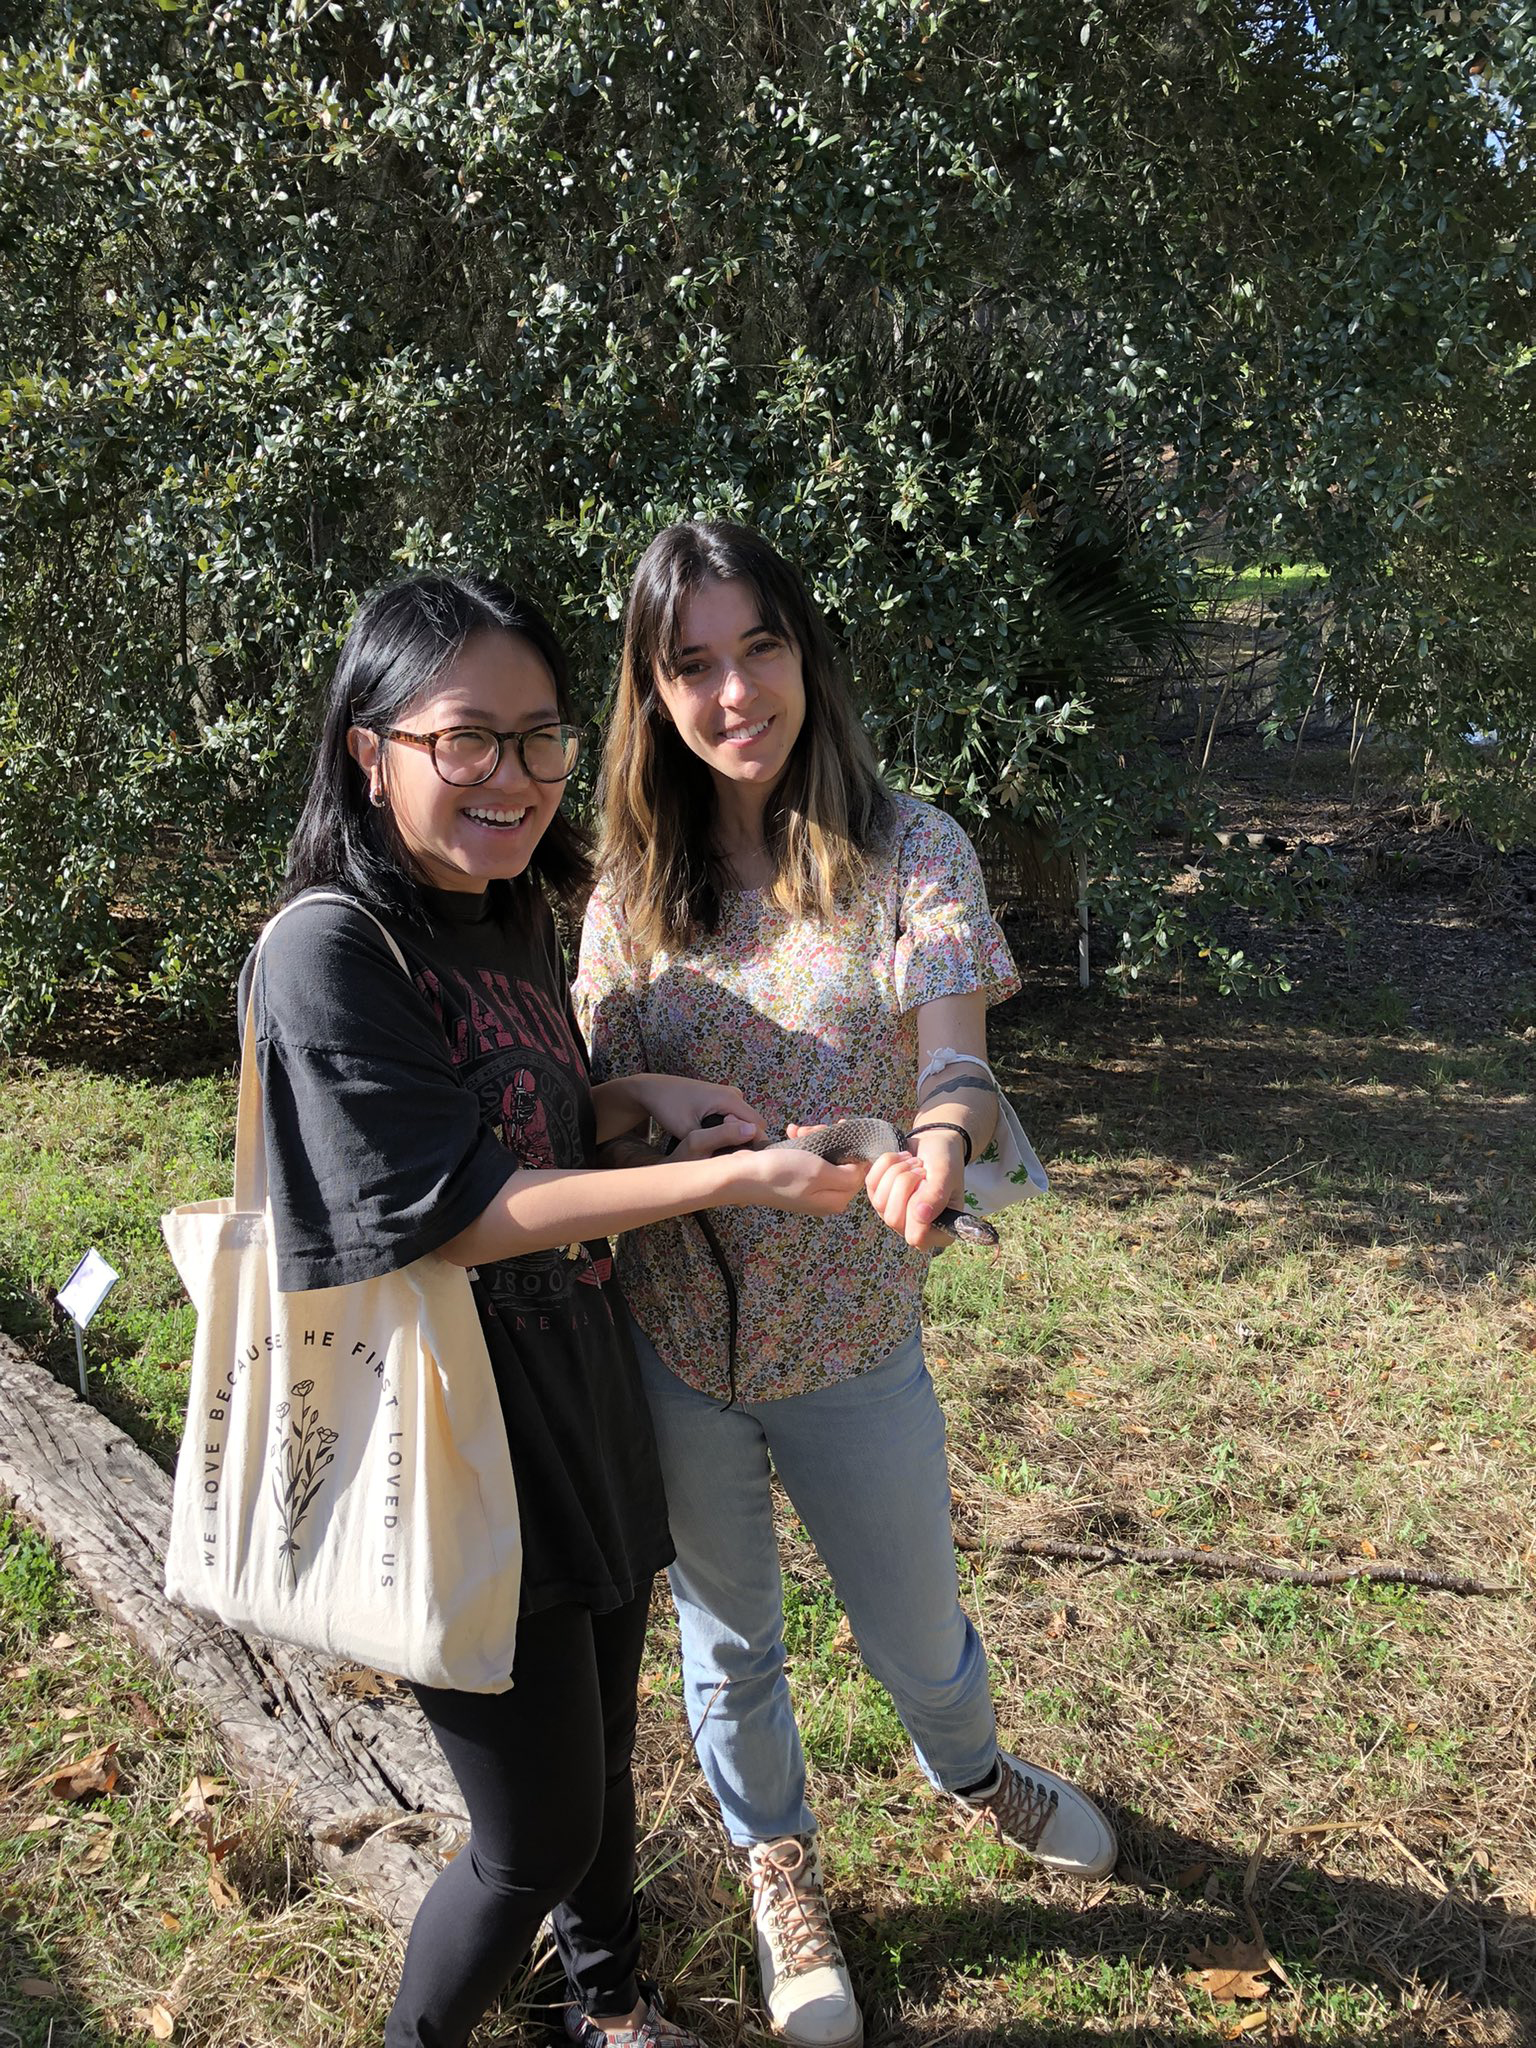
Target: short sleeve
376,1152
604,994
948,942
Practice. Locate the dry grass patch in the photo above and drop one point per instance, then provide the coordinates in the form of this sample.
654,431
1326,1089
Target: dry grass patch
1281,1301
117,1922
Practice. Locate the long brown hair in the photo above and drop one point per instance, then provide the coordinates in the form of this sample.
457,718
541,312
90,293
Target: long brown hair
657,798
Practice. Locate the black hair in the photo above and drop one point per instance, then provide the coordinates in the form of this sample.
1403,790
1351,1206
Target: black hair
401,641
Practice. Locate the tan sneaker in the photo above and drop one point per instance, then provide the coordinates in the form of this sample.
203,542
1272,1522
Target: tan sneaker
805,1979
1045,1816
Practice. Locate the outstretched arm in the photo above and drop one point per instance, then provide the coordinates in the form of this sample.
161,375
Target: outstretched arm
538,1210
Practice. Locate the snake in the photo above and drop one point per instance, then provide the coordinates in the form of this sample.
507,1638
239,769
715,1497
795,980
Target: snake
855,1138
846,1142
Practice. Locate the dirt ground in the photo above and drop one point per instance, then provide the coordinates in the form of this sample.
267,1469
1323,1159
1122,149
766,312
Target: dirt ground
1392,897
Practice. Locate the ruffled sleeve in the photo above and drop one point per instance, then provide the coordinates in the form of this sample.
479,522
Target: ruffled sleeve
948,943
605,996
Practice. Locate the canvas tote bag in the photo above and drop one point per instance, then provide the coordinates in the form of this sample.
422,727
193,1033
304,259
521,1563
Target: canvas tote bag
344,1480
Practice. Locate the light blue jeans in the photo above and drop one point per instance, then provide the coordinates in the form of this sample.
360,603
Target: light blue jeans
863,1462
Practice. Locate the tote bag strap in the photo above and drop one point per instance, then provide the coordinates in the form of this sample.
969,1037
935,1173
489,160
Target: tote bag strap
250,1131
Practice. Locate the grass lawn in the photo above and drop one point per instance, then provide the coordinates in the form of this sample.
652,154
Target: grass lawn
1266,585
1281,1299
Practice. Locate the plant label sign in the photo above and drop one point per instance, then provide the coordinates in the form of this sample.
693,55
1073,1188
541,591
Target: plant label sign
87,1288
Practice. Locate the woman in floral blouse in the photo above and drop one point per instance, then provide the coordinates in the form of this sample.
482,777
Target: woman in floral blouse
769,914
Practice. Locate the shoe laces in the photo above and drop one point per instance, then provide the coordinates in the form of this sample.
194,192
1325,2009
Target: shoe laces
787,1893
1019,1809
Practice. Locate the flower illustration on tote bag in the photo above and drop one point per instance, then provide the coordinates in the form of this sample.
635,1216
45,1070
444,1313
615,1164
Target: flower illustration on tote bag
303,1451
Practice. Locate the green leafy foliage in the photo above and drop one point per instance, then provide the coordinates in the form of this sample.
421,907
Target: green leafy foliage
987,314
34,1590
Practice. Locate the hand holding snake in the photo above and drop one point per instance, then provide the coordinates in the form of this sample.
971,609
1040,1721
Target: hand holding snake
896,1190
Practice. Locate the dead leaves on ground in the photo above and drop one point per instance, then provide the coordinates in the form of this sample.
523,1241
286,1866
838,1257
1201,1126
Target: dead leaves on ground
361,1682
195,1809
93,1776
84,1838
88,1776
99,1854
197,1801
159,2018
145,1715
73,1779
1229,1970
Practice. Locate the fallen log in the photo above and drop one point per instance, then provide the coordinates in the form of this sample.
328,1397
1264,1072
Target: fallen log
1235,1564
356,1764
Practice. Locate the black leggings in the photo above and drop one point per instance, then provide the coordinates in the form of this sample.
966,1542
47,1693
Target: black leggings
545,1774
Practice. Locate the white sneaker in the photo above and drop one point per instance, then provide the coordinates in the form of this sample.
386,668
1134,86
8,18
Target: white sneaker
805,1979
1034,1810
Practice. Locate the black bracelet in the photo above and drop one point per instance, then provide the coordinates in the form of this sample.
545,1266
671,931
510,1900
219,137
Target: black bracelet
959,1129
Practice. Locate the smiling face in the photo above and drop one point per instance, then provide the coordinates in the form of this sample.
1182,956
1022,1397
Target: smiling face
735,691
463,838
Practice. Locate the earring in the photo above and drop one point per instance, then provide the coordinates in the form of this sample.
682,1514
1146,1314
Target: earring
376,796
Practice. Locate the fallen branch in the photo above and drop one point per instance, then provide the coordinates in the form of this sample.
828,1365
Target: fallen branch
1232,1563
357,1768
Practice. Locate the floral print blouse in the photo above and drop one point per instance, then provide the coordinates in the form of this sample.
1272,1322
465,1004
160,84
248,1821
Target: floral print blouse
811,1022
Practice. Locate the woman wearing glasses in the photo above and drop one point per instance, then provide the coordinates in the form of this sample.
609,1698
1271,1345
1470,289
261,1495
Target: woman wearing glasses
451,1111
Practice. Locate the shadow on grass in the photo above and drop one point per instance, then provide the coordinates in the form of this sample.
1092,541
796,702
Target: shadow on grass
27,2021
59,2028
144,1042
1367,1136
1332,1933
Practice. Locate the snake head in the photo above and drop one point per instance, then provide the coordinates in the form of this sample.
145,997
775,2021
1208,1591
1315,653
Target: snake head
968,1228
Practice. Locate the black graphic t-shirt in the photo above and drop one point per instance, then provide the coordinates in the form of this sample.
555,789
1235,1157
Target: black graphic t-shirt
395,1109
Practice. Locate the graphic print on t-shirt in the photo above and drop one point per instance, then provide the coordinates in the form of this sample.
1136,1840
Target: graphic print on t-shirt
521,1062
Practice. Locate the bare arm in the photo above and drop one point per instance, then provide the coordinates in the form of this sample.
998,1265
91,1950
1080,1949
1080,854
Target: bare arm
538,1210
907,1191
962,1094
